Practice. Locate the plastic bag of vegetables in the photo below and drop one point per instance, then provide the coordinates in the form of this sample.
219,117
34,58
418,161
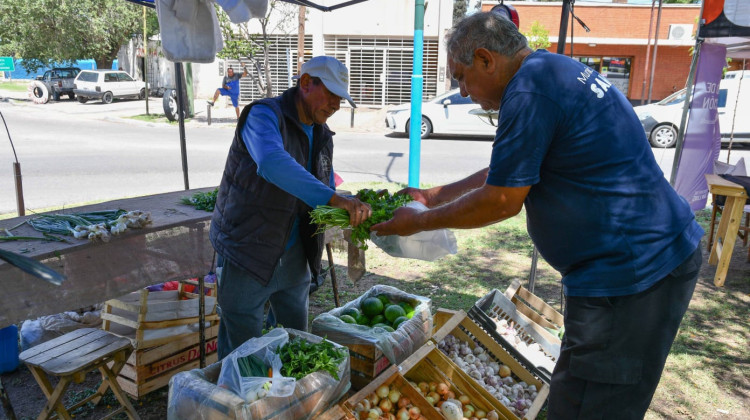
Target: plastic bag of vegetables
253,370
428,245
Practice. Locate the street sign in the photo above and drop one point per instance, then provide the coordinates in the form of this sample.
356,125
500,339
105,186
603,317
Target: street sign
6,64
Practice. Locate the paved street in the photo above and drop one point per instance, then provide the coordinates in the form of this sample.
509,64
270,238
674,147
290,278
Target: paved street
72,153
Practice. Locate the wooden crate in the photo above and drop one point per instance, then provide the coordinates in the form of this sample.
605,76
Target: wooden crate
427,365
151,319
391,377
465,329
532,318
151,368
367,362
195,394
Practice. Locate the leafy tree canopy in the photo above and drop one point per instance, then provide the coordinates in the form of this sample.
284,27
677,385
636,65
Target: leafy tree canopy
538,36
44,32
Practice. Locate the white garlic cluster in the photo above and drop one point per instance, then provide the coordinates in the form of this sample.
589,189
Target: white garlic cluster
496,378
531,351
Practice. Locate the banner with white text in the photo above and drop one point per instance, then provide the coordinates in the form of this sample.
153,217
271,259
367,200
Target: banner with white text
702,141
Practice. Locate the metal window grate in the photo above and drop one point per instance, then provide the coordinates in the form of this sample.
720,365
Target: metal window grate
380,69
282,60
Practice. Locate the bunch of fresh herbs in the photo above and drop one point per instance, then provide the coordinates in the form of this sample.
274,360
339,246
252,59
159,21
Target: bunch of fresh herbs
202,200
300,358
383,205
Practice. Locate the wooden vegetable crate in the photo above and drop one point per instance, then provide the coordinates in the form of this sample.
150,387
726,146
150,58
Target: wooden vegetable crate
163,328
462,327
393,378
530,316
428,365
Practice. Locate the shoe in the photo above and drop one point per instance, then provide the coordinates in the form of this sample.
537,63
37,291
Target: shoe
210,103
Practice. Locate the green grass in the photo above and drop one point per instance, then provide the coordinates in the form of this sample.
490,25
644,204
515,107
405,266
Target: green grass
158,118
15,86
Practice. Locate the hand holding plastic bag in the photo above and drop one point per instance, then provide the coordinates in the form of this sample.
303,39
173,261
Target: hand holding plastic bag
428,245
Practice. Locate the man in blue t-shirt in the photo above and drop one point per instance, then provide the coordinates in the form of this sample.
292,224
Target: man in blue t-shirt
230,86
570,148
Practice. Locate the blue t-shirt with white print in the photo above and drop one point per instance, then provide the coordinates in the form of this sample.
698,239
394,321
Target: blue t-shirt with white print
599,209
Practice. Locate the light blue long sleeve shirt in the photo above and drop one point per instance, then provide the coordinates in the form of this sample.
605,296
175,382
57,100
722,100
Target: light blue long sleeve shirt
263,140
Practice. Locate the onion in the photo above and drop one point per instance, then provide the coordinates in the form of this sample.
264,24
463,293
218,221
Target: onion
480,414
414,413
492,415
424,387
442,388
449,395
504,371
464,400
382,391
386,405
403,402
402,414
394,396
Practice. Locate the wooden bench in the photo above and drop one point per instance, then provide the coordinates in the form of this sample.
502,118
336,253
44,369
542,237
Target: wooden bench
70,357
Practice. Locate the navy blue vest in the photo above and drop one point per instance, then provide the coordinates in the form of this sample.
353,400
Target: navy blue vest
253,218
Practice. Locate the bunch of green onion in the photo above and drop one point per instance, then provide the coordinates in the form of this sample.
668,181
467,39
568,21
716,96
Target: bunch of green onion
383,205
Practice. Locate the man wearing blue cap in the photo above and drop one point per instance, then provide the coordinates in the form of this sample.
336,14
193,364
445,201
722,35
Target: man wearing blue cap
280,166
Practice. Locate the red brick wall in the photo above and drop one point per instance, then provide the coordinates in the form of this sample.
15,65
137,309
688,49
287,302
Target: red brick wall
621,22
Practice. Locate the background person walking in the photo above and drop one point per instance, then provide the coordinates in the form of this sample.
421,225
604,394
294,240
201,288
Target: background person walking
230,86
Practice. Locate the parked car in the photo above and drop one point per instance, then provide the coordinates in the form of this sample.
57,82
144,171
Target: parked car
661,120
449,113
107,85
54,83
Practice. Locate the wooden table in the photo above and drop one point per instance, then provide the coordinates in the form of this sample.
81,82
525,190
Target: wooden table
723,244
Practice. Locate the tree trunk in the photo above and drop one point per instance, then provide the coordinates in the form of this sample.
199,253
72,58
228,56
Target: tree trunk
103,63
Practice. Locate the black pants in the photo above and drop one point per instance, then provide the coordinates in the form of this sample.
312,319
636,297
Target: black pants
615,348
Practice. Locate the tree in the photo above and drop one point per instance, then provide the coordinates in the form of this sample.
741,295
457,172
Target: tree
44,32
241,41
537,36
459,9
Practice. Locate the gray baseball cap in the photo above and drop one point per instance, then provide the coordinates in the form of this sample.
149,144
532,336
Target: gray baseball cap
332,72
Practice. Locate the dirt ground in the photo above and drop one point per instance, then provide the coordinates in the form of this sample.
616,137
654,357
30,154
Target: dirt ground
28,399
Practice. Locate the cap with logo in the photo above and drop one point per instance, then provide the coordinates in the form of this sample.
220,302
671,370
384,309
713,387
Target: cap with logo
332,72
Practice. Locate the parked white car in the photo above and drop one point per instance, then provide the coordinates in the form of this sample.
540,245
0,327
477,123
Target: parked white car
661,120
107,85
449,113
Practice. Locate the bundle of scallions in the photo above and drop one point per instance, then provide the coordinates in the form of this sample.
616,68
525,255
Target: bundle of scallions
383,205
96,225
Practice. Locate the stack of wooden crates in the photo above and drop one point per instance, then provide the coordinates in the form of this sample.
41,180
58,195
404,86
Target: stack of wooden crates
163,327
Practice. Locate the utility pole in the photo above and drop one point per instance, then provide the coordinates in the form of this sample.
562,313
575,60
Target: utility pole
301,38
145,56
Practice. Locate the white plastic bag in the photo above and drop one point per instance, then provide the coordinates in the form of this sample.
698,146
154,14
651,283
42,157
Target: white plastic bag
249,387
428,245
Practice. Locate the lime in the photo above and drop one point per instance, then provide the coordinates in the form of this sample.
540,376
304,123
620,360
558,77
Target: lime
348,319
399,321
393,311
362,320
352,312
409,315
381,325
385,300
371,307
377,319
389,329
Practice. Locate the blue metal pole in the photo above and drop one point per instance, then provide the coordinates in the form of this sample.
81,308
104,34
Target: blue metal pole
415,124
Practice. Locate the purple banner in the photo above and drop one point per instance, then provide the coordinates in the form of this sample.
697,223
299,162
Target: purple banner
702,142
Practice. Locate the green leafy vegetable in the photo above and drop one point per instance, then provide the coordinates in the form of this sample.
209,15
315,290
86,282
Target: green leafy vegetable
383,205
252,366
300,358
202,200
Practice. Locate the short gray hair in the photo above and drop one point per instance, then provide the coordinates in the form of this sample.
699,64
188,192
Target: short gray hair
483,30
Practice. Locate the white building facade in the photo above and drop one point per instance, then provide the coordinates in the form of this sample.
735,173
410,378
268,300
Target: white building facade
373,38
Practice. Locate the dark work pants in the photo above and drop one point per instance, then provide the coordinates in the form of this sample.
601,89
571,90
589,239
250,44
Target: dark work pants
615,348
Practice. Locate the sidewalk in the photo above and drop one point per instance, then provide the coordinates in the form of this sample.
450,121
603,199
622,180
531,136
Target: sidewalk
363,120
